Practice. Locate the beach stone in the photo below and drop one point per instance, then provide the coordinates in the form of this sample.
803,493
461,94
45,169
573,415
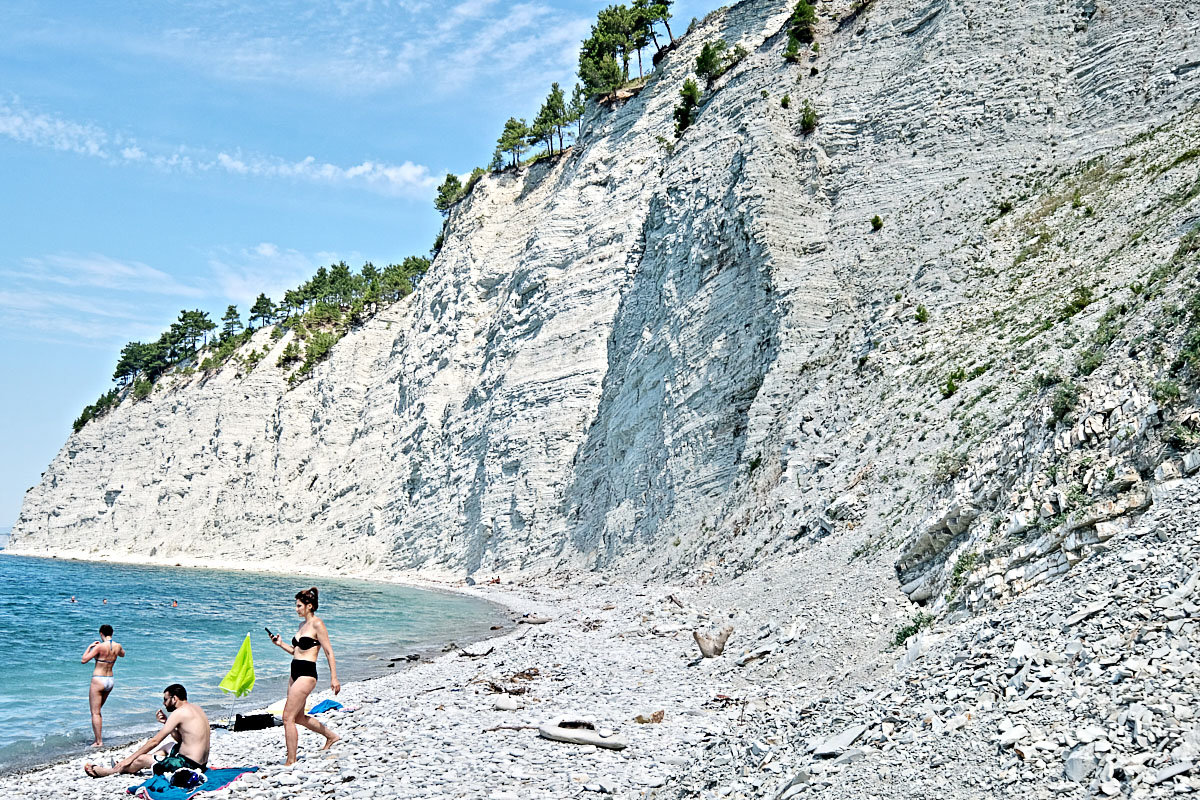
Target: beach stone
1080,763
1170,771
506,702
836,744
1013,735
1087,611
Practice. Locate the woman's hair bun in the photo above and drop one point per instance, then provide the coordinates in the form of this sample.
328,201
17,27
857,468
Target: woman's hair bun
308,596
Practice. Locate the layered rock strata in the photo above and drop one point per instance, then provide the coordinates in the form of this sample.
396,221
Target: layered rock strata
680,355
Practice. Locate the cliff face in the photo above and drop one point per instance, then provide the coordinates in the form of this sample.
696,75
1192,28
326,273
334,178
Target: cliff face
678,355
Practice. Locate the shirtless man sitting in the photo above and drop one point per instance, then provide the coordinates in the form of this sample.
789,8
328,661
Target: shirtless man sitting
186,724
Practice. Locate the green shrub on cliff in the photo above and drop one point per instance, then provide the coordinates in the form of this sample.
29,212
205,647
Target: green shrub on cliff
918,624
800,30
107,400
448,193
808,118
289,356
685,112
710,64
1063,402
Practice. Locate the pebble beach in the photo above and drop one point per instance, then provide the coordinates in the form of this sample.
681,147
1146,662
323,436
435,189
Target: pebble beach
464,723
1081,687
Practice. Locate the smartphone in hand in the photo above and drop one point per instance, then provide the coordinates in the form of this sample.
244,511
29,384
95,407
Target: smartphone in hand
268,630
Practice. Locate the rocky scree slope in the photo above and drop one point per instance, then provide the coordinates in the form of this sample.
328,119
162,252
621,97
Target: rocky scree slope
674,357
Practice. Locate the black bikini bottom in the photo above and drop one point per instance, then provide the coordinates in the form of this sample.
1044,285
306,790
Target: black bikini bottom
303,669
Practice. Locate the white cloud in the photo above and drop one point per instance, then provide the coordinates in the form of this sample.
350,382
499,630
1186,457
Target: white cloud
48,131
102,272
232,164
96,300
46,311
391,179
435,49
241,274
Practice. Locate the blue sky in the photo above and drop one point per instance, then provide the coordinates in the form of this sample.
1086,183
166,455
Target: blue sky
159,156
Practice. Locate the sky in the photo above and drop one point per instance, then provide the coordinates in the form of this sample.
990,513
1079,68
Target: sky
160,156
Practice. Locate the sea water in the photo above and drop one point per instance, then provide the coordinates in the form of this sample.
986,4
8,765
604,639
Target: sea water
44,689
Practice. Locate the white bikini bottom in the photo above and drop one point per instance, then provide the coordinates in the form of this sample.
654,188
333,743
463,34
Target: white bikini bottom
106,682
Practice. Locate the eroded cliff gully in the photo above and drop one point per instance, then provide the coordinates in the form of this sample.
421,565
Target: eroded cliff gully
680,357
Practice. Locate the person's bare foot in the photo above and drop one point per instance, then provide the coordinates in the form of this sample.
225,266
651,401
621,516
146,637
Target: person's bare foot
96,744
90,769
330,741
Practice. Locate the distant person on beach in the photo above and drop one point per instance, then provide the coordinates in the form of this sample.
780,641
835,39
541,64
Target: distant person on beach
305,647
106,652
184,722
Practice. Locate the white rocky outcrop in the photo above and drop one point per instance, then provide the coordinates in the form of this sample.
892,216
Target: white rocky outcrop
681,354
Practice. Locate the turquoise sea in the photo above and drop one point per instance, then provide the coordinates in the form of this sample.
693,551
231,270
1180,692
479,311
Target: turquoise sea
43,696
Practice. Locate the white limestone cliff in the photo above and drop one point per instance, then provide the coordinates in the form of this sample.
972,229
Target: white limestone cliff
678,355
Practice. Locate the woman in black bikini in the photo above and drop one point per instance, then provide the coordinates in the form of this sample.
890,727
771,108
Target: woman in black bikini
305,647
106,652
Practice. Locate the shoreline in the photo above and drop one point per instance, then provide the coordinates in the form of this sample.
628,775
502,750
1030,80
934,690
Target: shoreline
428,656
615,649
418,580
220,730
429,653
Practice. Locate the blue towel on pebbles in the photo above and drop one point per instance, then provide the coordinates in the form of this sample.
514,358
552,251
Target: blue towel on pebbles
159,786
323,706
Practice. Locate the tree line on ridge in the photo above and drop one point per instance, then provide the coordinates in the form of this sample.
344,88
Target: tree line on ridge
336,298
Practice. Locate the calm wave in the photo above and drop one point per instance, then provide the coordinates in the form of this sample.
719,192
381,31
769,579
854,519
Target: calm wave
43,697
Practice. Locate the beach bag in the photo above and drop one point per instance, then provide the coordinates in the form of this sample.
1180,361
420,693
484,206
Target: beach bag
253,722
187,779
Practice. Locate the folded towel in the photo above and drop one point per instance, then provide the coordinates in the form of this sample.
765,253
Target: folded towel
325,705
159,786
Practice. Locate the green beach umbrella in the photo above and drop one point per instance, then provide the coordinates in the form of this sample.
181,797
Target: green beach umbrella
240,679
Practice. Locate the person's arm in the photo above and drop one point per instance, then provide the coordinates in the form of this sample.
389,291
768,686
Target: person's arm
175,734
279,642
323,638
120,651
89,654
171,724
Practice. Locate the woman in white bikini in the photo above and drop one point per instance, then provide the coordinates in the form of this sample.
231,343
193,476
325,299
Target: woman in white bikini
106,652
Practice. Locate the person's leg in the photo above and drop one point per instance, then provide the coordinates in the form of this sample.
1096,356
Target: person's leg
96,697
298,691
316,726
137,765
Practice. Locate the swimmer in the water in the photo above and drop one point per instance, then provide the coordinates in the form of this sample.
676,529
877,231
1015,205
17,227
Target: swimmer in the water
174,604
106,652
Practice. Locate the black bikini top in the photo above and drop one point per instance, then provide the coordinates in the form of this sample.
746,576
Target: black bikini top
305,642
